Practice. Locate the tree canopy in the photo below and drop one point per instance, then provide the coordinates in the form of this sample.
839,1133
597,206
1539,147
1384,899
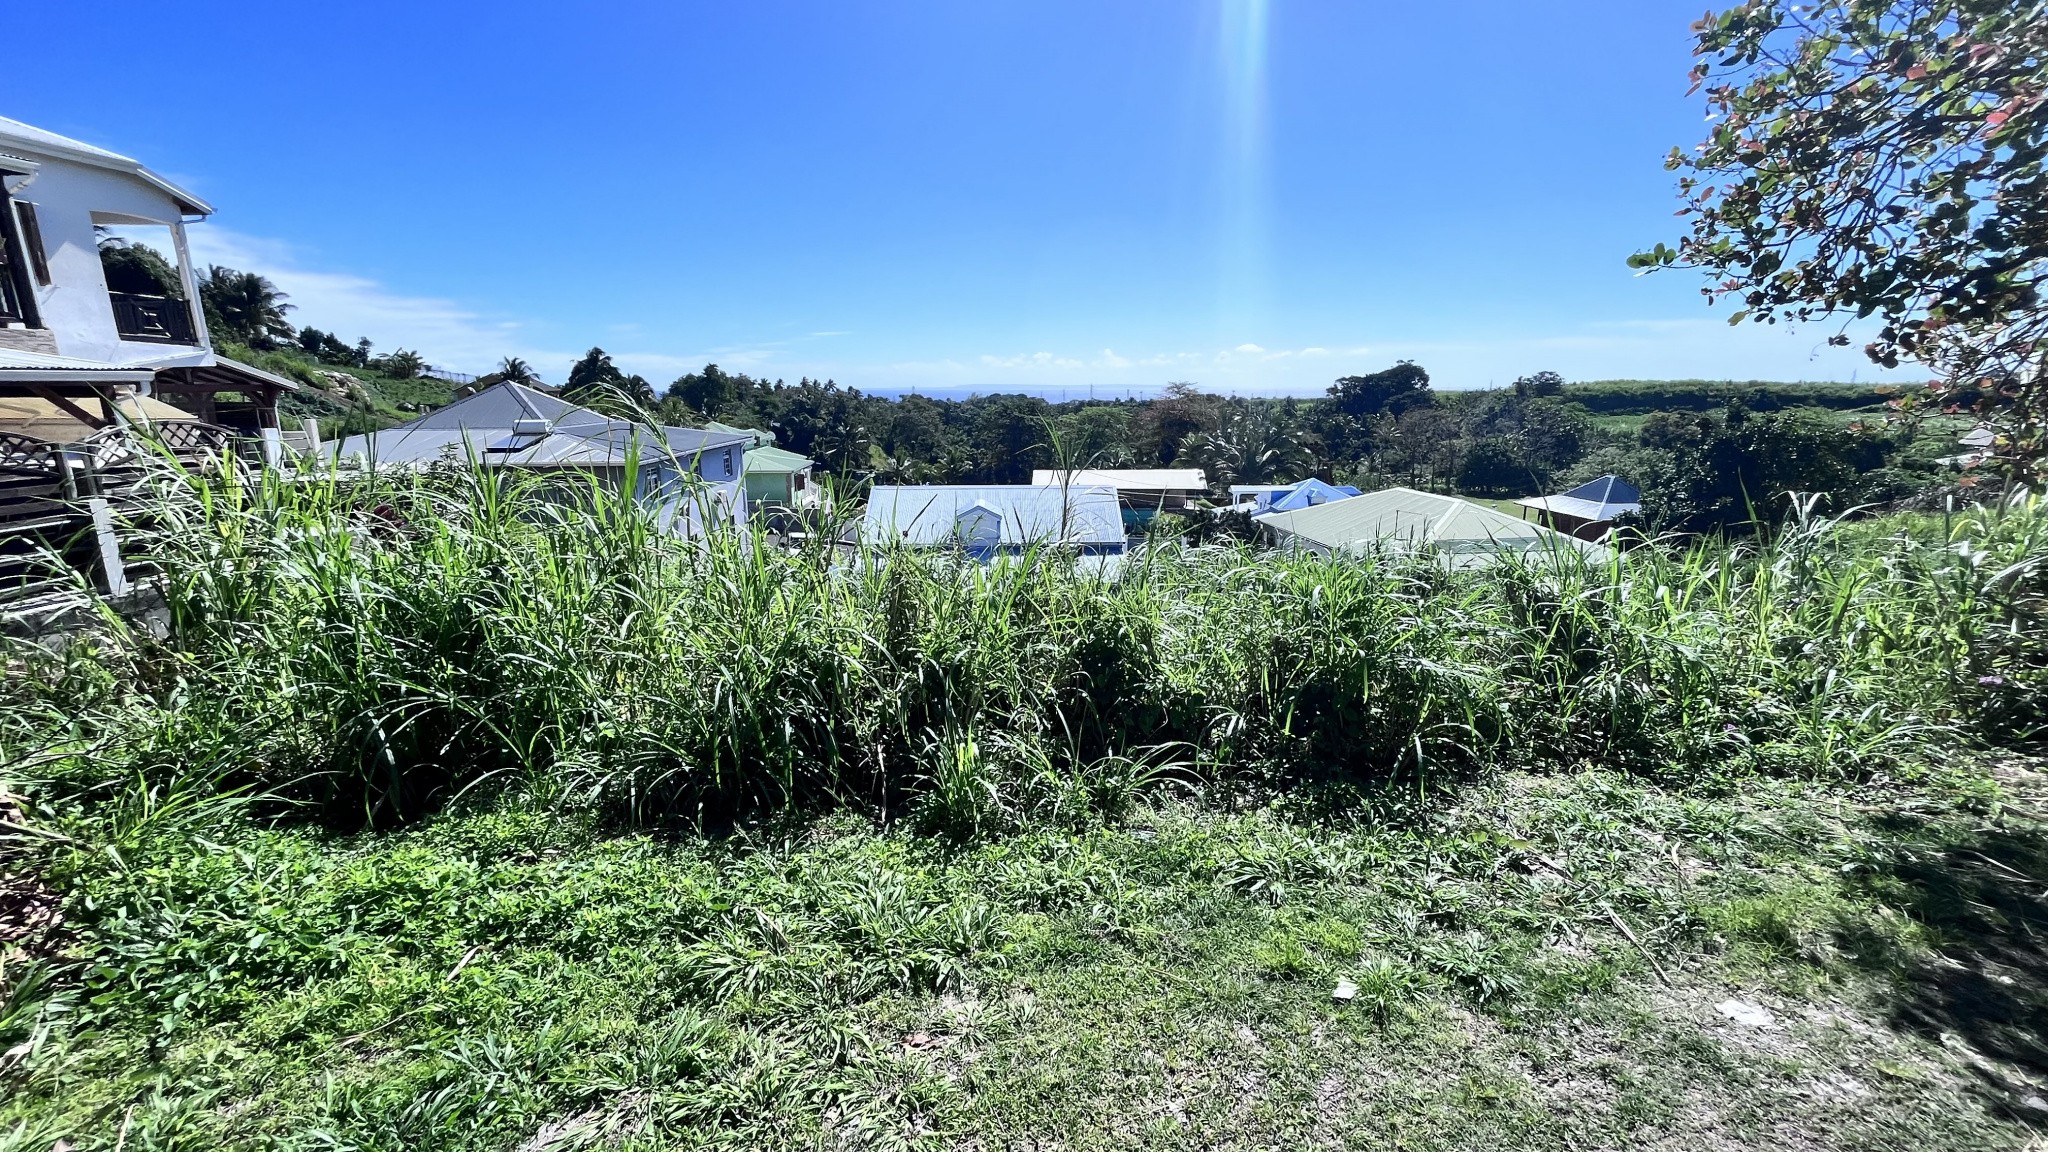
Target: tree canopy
1880,158
137,268
1394,390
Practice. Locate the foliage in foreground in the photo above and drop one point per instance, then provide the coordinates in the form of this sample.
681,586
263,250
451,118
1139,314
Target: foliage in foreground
376,647
1536,966
519,677
1886,159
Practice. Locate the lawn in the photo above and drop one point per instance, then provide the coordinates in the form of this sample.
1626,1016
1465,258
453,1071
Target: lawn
1574,960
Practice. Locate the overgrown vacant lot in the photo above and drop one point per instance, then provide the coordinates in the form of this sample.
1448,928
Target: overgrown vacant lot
441,822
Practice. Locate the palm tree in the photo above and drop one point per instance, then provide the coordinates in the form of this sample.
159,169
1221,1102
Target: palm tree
842,447
247,307
902,470
402,364
636,391
513,370
1251,447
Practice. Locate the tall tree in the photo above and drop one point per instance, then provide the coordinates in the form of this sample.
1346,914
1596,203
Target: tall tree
588,377
1162,426
1539,384
1098,436
247,307
513,370
1007,437
709,392
821,420
1881,158
1394,390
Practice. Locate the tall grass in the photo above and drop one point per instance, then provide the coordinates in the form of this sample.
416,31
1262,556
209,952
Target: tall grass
377,647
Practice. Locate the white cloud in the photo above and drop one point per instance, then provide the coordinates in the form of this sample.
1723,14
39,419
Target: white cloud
446,332
471,339
1702,347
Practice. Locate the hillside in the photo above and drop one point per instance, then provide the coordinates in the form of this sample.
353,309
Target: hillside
345,398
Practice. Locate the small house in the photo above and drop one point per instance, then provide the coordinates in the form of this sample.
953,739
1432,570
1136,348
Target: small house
1141,493
1405,520
1307,494
991,519
694,476
99,302
1261,498
1588,511
775,476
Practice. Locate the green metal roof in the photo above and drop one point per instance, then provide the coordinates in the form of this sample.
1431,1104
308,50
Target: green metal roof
1402,518
756,436
760,460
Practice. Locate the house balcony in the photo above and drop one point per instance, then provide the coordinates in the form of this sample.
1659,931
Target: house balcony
152,319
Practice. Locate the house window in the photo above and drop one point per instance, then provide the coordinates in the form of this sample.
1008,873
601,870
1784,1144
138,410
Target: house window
144,283
30,230
728,463
17,298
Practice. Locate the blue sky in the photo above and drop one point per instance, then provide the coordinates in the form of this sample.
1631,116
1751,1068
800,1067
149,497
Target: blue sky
1043,195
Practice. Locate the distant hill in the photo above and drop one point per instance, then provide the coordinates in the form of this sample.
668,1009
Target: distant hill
1637,397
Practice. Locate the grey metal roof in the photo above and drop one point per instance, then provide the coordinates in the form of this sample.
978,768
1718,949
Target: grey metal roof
511,424
1596,500
1128,479
18,138
1030,513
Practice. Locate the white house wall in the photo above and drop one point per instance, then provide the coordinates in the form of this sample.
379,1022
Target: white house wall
75,307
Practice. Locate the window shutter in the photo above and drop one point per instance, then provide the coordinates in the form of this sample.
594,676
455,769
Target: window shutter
32,239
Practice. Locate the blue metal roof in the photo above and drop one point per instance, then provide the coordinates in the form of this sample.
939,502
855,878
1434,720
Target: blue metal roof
1308,494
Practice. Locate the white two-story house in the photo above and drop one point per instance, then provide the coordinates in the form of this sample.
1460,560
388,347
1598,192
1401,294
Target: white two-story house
100,316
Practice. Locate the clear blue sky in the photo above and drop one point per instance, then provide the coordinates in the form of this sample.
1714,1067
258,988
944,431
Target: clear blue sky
1004,194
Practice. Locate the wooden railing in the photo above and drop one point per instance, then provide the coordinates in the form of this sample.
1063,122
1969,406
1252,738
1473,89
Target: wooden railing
155,319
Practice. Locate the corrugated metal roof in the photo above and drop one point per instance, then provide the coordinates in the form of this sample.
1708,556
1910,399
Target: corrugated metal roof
1608,489
1402,518
1308,494
511,424
1135,479
1596,500
21,358
757,437
17,137
761,460
1029,513
18,366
